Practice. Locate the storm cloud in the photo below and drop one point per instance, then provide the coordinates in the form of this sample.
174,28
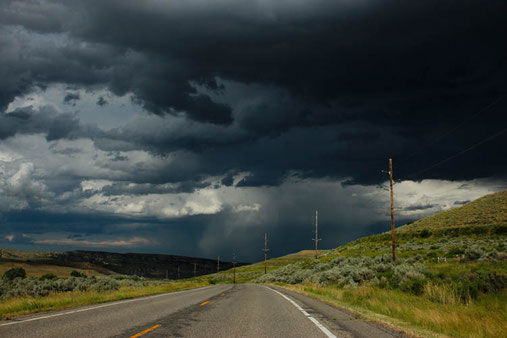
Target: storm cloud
159,111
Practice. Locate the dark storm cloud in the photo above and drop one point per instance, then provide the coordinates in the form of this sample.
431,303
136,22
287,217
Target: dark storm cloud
71,98
101,101
146,188
44,120
400,74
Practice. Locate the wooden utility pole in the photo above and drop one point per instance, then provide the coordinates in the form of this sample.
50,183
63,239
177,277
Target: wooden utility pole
234,269
316,233
195,270
392,208
265,253
218,264
178,272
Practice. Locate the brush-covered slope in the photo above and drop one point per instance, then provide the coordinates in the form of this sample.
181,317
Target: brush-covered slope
479,226
474,235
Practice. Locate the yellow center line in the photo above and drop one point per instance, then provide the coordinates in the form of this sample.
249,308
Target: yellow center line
145,331
206,302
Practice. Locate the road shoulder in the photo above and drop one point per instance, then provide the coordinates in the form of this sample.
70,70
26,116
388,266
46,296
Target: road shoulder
341,319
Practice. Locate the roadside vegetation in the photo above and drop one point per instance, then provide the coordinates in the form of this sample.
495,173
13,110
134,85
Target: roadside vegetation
20,294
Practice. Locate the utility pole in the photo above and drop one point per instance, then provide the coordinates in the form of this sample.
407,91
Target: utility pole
316,233
234,268
178,272
218,264
392,208
195,270
265,253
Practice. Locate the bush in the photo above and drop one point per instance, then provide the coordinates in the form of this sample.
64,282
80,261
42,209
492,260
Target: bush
14,273
75,273
47,276
456,251
473,254
425,233
105,284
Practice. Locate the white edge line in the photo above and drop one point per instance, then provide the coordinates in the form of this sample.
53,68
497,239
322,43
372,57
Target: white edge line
315,321
101,306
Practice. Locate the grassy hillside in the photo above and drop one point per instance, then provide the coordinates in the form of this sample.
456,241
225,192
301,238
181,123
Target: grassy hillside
479,226
34,263
450,277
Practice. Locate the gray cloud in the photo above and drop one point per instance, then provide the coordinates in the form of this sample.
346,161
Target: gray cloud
71,98
242,97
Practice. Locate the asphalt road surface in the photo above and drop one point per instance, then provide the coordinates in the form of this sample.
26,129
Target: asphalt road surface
244,310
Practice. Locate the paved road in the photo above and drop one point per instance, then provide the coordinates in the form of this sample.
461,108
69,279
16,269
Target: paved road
218,311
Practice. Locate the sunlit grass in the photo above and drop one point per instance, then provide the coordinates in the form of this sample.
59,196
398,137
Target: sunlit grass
485,317
61,300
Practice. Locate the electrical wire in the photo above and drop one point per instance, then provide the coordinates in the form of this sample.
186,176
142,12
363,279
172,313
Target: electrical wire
457,154
449,132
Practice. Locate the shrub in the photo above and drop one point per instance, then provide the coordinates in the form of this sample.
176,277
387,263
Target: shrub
105,284
473,254
425,233
456,251
14,273
47,276
75,273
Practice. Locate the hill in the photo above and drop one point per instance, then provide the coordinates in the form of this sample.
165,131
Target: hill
450,277
99,263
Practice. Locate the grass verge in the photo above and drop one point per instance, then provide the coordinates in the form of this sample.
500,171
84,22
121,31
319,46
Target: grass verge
20,306
485,317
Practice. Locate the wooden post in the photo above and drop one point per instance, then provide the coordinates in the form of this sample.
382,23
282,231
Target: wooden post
392,208
178,272
234,269
195,270
316,233
265,253
218,264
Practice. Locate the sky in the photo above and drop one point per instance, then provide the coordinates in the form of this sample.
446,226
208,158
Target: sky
194,127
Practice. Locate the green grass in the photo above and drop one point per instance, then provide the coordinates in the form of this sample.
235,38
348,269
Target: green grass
485,317
62,300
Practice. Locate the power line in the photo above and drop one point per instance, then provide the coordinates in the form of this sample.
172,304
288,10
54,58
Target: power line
457,154
449,132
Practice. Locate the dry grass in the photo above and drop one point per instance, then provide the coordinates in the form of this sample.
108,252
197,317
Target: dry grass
26,305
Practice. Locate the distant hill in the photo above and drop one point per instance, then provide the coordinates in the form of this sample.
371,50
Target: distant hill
479,226
107,263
